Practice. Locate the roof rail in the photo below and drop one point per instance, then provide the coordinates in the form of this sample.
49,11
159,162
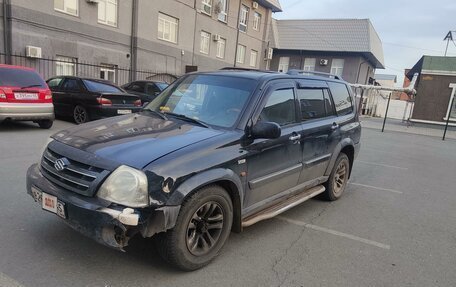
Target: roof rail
298,72
245,69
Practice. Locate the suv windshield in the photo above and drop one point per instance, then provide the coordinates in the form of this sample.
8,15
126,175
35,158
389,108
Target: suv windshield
21,78
98,87
211,99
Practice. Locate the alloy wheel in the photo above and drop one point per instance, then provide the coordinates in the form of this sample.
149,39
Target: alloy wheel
340,177
80,115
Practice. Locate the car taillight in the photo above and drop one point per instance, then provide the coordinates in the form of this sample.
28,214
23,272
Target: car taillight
104,102
48,96
137,103
2,96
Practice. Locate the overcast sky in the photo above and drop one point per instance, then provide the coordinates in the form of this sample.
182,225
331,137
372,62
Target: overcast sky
408,29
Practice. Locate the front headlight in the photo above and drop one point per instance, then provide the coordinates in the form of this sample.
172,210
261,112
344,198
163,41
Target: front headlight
126,186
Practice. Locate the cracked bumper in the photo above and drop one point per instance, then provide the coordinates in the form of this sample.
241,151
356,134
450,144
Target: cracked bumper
108,224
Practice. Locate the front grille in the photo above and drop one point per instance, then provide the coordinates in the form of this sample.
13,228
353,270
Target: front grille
78,177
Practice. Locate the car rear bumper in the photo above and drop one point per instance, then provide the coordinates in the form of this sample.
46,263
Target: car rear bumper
111,111
97,219
26,111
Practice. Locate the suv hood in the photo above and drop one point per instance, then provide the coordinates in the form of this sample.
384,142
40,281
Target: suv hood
135,140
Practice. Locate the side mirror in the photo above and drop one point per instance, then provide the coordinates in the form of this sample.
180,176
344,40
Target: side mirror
265,130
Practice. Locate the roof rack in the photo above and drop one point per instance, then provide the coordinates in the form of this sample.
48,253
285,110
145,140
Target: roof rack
245,69
299,72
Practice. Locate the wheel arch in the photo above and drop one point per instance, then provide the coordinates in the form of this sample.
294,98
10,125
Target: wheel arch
346,146
224,178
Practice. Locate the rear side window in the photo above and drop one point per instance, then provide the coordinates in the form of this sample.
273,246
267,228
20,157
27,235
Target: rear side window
21,78
342,98
312,103
280,108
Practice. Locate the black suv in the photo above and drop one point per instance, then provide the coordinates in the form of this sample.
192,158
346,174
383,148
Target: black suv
215,152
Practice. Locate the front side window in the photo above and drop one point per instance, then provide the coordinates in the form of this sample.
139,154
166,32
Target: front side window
244,18
168,28
65,66
284,63
54,83
240,57
107,12
309,64
342,99
280,108
221,44
206,6
204,43
337,67
222,7
253,58
67,6
71,85
256,21
108,72
212,99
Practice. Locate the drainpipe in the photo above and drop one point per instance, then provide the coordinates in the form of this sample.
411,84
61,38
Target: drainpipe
7,30
134,40
237,34
359,71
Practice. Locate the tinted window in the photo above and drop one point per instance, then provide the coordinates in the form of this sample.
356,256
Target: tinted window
341,97
280,108
71,85
54,83
162,86
329,105
98,87
215,100
137,87
20,78
152,89
312,103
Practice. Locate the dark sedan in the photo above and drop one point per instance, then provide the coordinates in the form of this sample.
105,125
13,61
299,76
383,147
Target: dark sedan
147,90
89,99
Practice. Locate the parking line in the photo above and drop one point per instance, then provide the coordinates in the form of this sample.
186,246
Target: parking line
375,187
383,165
6,281
334,232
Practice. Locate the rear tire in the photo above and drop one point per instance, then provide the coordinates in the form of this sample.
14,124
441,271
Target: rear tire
80,115
202,227
45,124
337,181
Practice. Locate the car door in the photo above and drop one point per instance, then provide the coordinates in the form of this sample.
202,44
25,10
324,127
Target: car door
60,104
274,165
319,129
72,93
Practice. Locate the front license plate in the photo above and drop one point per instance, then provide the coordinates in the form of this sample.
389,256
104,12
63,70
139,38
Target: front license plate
52,204
25,96
123,112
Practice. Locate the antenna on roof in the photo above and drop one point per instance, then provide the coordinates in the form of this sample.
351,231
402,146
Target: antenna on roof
448,38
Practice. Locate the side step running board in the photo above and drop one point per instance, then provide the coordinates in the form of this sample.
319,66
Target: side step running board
283,206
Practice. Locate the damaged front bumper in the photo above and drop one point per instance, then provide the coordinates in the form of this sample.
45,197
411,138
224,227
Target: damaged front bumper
109,224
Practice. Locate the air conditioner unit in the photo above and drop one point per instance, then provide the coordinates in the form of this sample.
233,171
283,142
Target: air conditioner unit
33,52
269,53
216,37
92,1
255,5
324,62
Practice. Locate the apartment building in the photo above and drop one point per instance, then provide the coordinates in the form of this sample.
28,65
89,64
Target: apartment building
167,36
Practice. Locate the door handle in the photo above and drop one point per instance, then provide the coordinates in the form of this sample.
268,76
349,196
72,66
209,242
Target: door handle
335,126
295,137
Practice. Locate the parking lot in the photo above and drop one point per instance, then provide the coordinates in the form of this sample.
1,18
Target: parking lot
395,226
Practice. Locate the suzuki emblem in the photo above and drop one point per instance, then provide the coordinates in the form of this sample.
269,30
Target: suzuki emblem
61,164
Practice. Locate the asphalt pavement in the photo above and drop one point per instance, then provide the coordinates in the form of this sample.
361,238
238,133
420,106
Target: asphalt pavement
395,226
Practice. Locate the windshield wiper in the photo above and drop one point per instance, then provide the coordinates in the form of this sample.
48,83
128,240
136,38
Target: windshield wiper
161,115
188,119
31,86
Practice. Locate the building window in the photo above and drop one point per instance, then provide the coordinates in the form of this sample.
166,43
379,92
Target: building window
309,64
108,72
67,6
337,67
221,43
206,7
204,43
256,21
244,18
240,57
284,63
253,58
107,12
65,66
222,8
168,28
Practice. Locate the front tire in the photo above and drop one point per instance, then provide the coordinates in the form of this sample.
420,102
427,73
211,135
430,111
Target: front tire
202,227
337,181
